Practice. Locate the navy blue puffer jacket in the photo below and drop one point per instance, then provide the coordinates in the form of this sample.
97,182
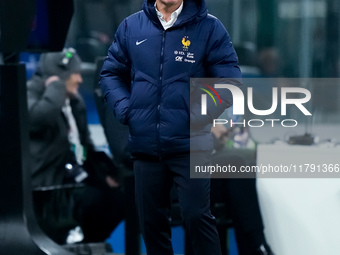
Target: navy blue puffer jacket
146,77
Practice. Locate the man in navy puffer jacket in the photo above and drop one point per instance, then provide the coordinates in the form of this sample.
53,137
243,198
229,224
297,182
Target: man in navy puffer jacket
146,81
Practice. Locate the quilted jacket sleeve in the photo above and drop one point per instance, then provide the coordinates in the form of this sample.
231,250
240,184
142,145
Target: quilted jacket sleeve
220,62
115,76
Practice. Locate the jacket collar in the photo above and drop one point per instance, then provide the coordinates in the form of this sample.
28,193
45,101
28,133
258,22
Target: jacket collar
193,11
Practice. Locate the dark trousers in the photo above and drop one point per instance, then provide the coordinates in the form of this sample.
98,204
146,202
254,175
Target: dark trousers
154,180
97,210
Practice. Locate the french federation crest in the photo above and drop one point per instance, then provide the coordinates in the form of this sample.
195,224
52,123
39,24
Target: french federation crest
186,43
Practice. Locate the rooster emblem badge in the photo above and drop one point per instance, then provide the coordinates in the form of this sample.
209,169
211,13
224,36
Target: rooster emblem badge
186,43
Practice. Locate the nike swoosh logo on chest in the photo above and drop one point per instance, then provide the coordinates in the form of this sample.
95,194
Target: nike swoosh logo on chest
140,42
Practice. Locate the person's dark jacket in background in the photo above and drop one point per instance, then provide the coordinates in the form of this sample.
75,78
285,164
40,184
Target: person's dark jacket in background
242,205
49,144
146,81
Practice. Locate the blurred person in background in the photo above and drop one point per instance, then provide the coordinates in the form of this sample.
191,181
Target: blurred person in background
270,63
240,196
62,153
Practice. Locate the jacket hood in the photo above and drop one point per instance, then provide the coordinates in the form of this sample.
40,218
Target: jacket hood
193,11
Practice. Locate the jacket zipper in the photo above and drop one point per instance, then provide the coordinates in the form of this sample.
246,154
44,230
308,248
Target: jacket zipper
160,94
